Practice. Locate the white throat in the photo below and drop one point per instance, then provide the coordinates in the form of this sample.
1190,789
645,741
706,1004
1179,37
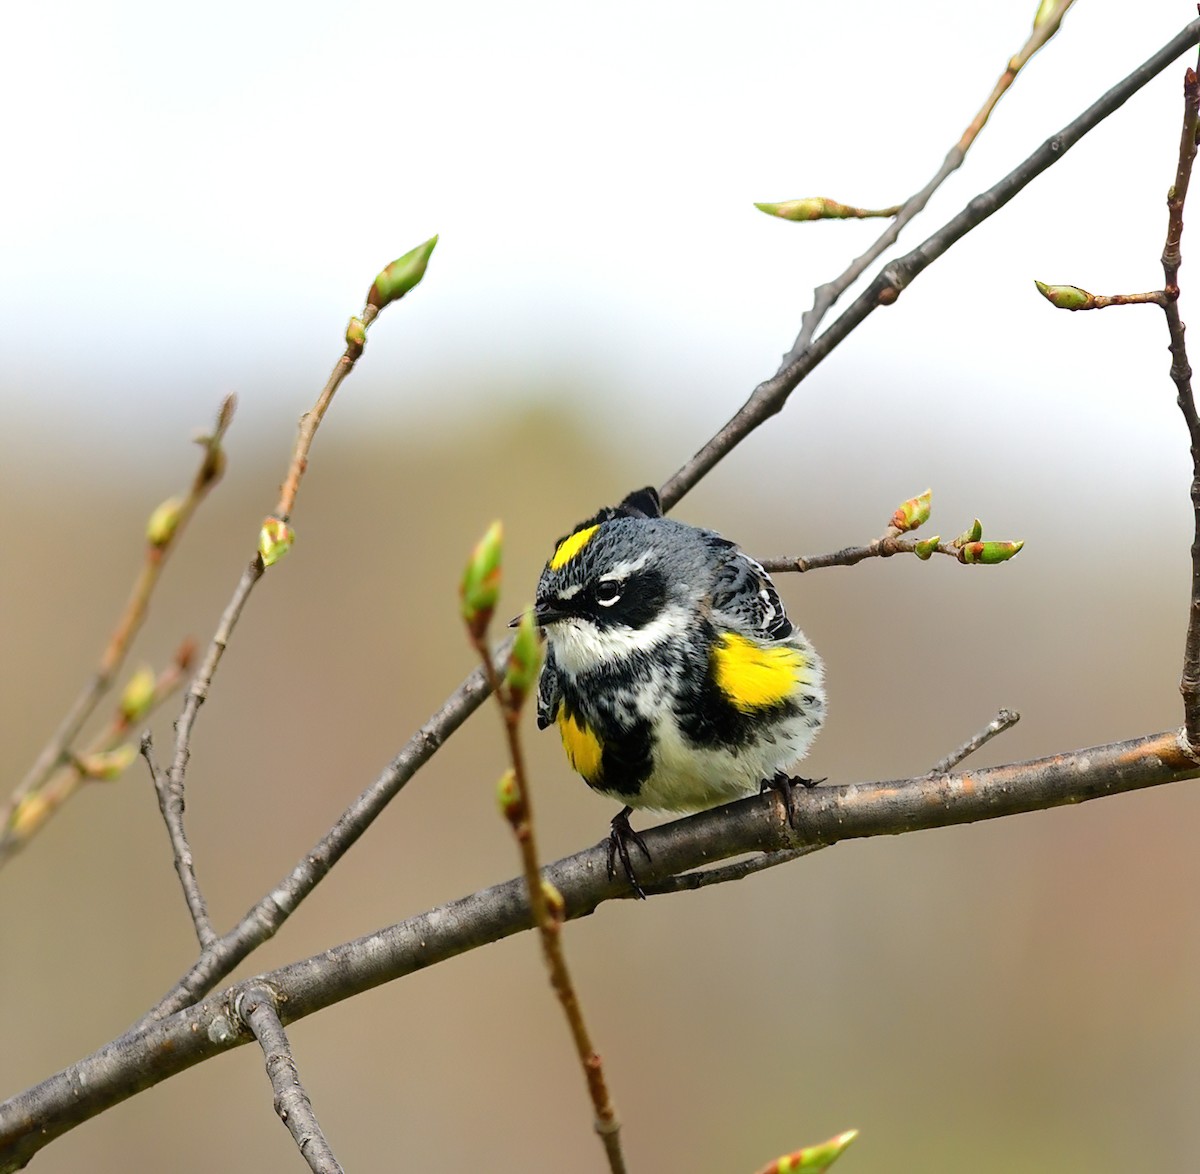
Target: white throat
580,646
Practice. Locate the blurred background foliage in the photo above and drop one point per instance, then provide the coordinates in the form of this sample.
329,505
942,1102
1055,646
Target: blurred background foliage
1025,987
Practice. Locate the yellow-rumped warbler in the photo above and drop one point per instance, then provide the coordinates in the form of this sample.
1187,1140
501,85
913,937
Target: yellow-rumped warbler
672,671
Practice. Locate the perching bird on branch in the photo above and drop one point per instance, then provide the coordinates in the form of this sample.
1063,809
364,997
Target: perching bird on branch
674,675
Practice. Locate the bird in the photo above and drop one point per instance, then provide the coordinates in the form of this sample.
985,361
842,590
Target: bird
672,672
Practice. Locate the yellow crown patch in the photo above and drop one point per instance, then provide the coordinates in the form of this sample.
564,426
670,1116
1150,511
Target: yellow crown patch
752,677
570,546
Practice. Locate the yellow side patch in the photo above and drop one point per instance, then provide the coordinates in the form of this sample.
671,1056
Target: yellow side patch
752,677
570,546
582,746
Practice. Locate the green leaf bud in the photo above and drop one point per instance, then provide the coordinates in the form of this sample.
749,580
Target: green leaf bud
914,512
401,275
28,816
524,660
356,336
820,208
973,533
138,695
509,798
1066,297
989,553
479,590
926,546
813,1159
275,539
107,765
162,523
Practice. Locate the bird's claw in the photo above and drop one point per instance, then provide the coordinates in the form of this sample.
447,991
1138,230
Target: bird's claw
618,846
786,785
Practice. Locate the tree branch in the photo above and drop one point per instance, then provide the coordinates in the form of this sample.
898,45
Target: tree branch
264,918
826,296
1004,720
167,525
257,1009
270,912
1181,374
770,396
827,815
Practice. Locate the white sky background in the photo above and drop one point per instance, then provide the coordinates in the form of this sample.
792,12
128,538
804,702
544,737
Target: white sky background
197,198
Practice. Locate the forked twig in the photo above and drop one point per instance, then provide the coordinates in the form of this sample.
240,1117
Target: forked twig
770,396
1046,24
275,538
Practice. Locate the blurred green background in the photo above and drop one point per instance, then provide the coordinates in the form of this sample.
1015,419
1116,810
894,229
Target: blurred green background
1013,995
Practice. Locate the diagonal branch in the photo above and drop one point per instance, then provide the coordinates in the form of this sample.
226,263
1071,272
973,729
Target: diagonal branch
148,1055
826,296
770,396
264,918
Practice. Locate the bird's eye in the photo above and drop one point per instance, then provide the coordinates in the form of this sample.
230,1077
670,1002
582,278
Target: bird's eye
608,591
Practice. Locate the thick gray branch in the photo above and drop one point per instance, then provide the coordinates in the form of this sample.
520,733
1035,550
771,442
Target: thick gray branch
147,1055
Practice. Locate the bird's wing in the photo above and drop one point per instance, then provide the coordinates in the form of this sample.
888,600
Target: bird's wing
548,694
745,596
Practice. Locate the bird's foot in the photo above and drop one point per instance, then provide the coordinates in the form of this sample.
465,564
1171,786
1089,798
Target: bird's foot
619,839
786,785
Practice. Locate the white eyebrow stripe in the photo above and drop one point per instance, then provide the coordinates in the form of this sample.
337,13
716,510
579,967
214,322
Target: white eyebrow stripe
625,569
570,592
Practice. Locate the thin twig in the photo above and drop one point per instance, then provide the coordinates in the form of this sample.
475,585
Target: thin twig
56,752
1181,374
181,850
148,1055
1072,297
202,682
689,882
32,813
770,396
826,296
1004,720
549,913
256,1008
882,547
264,919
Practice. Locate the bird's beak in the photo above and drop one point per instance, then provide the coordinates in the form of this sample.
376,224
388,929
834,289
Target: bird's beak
543,613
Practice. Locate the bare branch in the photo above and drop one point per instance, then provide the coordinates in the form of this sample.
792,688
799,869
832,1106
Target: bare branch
107,752
181,850
158,549
263,919
148,1055
687,882
1181,374
770,396
827,295
202,682
256,1008
1004,720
